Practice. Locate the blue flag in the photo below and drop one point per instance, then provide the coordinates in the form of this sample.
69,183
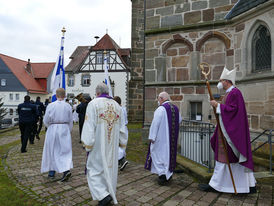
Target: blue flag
107,80
58,79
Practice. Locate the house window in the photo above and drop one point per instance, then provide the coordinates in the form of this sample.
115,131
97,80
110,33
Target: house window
86,80
70,80
16,111
11,111
17,97
99,57
261,49
3,82
11,96
196,111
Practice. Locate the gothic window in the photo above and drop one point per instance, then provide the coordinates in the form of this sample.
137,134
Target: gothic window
70,80
261,50
85,80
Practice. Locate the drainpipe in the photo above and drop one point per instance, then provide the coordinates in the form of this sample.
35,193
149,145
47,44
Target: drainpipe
144,63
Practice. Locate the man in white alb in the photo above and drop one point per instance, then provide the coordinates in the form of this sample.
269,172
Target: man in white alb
163,137
103,132
57,152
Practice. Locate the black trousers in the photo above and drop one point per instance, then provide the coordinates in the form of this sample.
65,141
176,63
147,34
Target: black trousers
81,124
40,120
25,129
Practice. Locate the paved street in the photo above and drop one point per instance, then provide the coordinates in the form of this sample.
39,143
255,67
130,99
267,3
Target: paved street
136,186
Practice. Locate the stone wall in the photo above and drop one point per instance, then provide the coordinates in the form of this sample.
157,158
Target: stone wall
170,13
135,113
180,34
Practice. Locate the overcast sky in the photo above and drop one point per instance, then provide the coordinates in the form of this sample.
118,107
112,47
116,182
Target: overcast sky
32,28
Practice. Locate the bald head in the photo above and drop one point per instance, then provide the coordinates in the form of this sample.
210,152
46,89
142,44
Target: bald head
163,96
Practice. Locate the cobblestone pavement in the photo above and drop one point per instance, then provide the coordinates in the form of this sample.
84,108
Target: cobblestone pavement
136,186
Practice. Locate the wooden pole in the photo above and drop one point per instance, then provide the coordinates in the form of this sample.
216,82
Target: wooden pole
218,121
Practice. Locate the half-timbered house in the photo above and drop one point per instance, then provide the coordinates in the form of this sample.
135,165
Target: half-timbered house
86,69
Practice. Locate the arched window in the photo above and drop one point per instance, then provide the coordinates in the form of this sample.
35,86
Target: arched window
261,49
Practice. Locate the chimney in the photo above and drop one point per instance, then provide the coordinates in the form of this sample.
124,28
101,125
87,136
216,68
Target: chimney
96,37
28,67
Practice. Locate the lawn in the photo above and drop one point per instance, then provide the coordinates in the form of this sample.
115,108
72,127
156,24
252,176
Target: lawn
9,194
136,148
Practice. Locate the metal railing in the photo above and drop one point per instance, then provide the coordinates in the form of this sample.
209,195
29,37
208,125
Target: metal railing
269,141
194,141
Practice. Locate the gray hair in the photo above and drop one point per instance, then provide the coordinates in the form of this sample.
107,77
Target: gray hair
165,96
102,88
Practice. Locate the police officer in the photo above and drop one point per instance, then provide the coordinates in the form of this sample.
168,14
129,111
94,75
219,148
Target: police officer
41,111
27,112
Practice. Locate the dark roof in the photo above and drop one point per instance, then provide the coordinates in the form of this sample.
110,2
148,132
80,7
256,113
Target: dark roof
29,81
242,6
77,58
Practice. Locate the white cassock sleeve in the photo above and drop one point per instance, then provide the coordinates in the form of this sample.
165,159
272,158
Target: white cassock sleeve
46,118
123,136
89,128
154,128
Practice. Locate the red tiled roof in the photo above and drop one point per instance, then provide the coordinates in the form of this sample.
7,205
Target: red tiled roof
106,43
42,70
39,70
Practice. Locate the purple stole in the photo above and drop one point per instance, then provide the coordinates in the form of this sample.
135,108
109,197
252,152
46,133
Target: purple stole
173,125
105,95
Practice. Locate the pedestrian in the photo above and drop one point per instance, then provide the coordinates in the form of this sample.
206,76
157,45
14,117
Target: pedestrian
234,126
122,162
34,123
41,111
26,112
74,113
81,110
57,152
103,132
163,137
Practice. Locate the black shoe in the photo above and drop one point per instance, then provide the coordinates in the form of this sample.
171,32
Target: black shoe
66,176
24,151
162,181
206,188
123,166
105,201
37,137
252,190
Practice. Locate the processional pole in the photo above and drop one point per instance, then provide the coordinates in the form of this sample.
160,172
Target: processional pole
202,67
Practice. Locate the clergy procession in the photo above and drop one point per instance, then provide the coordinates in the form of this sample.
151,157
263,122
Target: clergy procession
104,136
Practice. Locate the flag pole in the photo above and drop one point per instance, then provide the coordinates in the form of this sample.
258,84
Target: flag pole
58,74
201,65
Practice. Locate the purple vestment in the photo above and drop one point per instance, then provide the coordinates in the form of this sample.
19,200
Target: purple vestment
173,125
235,121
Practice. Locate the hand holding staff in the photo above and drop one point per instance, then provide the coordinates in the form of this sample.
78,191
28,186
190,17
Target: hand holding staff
202,65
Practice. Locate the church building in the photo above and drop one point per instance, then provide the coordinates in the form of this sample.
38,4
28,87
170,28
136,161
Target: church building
170,38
